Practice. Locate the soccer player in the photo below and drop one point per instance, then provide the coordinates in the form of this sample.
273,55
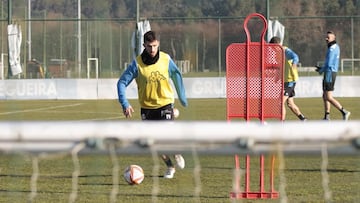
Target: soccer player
291,76
330,69
152,71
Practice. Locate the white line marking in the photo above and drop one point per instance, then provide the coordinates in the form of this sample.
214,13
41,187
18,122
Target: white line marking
82,112
40,109
101,119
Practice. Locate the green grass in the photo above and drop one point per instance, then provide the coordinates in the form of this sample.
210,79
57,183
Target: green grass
54,184
199,109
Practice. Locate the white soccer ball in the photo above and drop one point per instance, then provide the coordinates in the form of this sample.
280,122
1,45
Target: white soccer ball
176,112
134,174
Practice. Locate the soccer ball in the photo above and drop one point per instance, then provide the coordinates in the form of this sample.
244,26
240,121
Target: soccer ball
134,174
176,112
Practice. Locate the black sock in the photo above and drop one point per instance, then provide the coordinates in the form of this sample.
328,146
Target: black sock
343,111
167,161
327,115
301,117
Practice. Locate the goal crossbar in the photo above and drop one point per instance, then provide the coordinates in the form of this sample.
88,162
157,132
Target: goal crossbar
172,136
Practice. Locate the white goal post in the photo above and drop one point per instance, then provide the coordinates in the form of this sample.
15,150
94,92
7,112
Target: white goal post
2,66
138,137
352,60
96,60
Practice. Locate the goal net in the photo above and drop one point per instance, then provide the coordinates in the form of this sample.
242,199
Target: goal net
84,161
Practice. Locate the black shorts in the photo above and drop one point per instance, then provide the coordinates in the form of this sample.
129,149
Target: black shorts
289,89
329,81
162,113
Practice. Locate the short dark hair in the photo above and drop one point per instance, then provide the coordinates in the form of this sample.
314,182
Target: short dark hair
150,36
331,32
275,40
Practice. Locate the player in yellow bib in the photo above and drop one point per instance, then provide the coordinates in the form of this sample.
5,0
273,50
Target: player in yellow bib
152,71
290,77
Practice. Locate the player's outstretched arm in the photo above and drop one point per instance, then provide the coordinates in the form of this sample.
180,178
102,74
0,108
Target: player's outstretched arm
128,112
125,79
176,77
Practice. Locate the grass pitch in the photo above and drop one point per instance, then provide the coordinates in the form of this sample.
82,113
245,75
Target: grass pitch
96,180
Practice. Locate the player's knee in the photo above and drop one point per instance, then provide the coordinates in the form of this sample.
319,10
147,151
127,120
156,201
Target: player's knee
290,105
290,102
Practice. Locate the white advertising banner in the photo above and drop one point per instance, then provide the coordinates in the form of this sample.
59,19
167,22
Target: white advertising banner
211,87
205,87
345,86
28,89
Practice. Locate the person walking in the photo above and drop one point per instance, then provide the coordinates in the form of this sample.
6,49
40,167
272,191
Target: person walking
291,76
152,71
329,71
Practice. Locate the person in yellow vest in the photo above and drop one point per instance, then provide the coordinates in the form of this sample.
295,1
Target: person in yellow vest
152,71
290,77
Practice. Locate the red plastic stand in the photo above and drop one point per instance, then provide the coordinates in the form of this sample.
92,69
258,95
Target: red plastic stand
247,193
254,77
254,89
